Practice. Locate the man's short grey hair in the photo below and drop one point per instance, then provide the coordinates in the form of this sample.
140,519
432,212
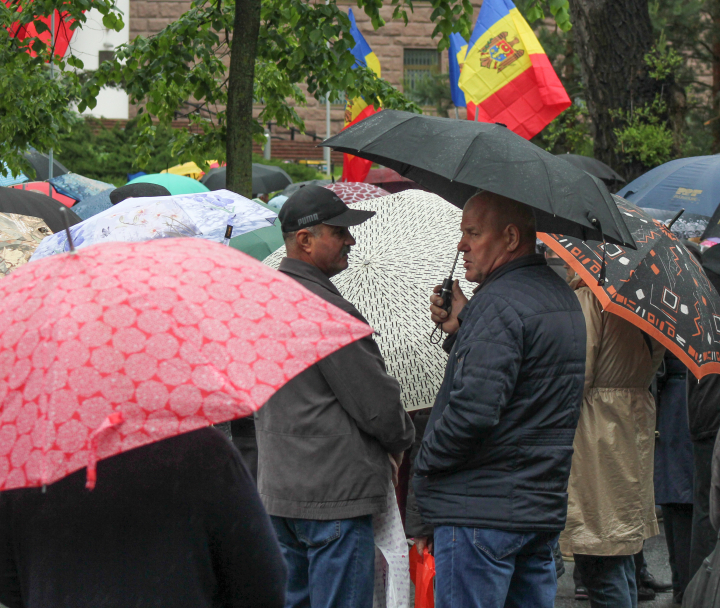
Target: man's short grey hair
289,237
509,211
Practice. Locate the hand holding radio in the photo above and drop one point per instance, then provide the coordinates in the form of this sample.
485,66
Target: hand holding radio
445,304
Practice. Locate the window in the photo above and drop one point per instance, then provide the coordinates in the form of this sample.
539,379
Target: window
419,64
106,56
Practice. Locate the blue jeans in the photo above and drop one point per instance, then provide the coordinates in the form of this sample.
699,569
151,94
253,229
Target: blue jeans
331,564
610,580
482,568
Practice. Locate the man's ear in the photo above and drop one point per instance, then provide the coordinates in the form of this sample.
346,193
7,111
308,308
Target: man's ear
512,237
303,240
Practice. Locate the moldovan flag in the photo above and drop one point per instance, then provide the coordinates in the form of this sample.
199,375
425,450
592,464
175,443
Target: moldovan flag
506,76
356,169
456,58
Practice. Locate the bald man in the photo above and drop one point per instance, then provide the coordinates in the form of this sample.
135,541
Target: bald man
492,471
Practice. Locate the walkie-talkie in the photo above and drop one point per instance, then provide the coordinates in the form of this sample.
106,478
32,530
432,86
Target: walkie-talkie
446,294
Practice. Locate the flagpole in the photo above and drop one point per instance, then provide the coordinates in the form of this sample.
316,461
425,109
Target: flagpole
52,77
327,151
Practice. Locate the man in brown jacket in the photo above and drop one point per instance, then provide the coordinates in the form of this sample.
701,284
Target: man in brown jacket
325,438
611,506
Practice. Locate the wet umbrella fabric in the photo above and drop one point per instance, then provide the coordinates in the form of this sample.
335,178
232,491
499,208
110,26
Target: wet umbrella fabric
394,300
660,288
95,204
595,167
261,242
47,189
355,192
124,344
41,163
265,179
20,236
79,187
176,184
691,183
454,158
34,204
205,215
687,226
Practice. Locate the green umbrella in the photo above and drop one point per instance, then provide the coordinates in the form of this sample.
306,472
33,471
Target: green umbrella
262,242
176,184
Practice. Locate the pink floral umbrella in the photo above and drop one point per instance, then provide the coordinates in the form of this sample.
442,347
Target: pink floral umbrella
123,344
355,192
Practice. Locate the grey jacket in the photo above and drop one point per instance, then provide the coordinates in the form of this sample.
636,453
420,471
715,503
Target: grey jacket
324,438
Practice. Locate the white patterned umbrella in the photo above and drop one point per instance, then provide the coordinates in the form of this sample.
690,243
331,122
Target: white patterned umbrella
204,215
401,254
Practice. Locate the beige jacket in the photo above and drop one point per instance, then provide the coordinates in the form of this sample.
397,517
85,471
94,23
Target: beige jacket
611,502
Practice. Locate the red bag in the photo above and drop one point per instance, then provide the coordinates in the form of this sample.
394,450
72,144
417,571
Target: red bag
422,573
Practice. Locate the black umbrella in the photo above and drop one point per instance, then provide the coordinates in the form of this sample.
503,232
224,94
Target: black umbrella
41,163
34,204
658,287
455,158
595,167
292,188
265,178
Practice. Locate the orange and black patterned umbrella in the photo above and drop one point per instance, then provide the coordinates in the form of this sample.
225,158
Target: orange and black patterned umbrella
660,287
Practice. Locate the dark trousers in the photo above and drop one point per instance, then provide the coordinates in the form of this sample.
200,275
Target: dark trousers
704,536
609,580
677,521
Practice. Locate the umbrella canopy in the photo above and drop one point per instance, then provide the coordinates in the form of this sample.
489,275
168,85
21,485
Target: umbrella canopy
297,185
687,226
79,187
595,167
390,279
7,178
205,215
268,178
190,170
265,179
41,163
48,190
124,344
36,205
95,204
176,184
261,242
660,288
20,236
691,183
355,192
454,158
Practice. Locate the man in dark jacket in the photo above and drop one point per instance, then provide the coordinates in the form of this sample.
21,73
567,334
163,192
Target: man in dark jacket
176,523
703,401
326,440
493,467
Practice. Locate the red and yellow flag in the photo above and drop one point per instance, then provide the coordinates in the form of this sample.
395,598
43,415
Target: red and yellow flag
356,169
506,75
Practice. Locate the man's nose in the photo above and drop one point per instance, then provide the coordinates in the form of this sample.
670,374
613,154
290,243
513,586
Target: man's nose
350,240
463,246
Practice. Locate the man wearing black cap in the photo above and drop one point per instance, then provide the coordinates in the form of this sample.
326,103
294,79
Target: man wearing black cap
325,437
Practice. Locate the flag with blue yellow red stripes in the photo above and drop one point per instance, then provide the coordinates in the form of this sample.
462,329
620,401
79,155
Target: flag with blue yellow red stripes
506,75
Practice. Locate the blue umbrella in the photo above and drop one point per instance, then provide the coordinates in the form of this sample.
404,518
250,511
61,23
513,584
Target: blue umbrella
93,205
689,183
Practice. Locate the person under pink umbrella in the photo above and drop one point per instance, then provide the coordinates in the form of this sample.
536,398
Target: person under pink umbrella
113,361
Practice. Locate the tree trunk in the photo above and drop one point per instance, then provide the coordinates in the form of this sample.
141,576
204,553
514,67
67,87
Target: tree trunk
612,38
714,6
240,96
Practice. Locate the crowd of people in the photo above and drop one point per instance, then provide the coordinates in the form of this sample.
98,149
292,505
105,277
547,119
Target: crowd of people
558,427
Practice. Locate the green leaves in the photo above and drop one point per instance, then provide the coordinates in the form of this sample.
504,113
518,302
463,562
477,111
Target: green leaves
534,10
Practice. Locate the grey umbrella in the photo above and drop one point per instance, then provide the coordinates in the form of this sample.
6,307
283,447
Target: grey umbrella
455,158
41,163
265,178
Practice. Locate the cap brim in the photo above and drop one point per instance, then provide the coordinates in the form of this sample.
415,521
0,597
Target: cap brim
351,217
